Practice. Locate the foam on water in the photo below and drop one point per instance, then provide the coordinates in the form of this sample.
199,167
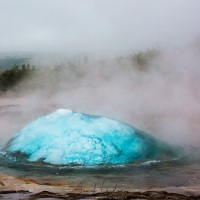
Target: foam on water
65,137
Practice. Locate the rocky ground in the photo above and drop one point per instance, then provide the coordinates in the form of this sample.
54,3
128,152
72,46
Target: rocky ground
15,188
148,195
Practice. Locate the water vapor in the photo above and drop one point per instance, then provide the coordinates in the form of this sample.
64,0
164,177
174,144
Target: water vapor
88,57
160,97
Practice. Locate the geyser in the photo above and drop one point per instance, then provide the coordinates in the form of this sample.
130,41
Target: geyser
65,137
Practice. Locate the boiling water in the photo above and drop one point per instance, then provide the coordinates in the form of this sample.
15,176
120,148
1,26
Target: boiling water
178,172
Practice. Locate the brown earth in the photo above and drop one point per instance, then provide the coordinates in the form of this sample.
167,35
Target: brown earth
29,189
120,195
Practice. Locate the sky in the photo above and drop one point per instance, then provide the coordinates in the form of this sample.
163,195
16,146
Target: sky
96,27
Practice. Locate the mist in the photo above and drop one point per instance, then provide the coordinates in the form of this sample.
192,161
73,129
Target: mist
92,44
96,28
162,99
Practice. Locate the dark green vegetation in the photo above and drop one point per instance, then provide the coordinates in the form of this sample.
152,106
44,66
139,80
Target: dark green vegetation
14,70
142,59
11,77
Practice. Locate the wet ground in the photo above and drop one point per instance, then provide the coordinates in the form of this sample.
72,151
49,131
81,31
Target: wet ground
178,179
23,188
149,195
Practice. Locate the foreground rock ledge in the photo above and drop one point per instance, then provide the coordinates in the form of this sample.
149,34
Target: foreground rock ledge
154,195
24,188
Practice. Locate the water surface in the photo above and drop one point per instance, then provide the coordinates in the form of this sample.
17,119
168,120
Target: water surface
178,172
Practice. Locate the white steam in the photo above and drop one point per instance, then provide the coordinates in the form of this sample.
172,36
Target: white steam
162,99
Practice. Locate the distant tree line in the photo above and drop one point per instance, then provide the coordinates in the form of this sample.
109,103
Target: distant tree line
11,77
142,59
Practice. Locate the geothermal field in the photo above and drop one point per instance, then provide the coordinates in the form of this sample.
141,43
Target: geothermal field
100,99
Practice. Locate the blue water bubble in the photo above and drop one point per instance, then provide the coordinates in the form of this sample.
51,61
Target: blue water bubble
65,137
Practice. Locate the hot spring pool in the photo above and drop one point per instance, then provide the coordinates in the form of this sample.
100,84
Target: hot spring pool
65,137
66,147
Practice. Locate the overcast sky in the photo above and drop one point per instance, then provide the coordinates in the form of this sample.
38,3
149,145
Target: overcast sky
96,27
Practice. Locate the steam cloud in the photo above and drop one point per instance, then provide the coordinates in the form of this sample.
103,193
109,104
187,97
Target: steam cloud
163,99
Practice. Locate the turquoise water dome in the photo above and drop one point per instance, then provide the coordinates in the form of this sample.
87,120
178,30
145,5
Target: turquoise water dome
65,137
